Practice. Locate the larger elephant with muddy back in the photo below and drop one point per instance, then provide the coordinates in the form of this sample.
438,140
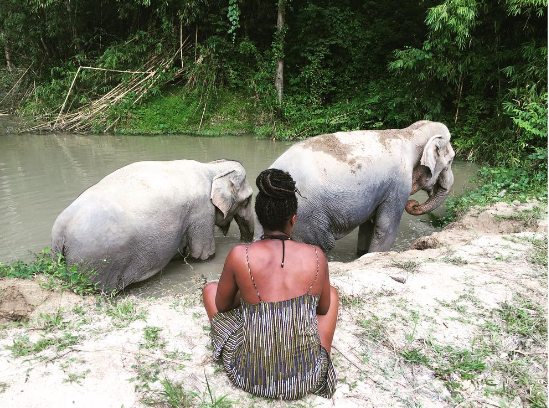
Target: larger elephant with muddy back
364,179
129,225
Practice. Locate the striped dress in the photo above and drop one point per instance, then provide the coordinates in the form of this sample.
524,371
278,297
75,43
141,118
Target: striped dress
272,349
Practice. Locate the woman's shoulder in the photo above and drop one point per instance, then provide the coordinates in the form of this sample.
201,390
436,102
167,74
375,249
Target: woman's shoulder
237,255
238,250
310,251
308,247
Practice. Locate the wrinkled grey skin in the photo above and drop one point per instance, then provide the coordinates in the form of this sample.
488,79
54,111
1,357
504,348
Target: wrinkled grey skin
364,179
134,221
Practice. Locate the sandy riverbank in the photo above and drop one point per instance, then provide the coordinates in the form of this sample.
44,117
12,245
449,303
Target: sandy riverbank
460,321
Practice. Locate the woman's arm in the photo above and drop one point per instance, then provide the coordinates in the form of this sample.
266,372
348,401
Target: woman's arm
324,301
227,289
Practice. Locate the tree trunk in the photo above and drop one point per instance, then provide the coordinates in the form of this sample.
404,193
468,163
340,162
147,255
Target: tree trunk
181,41
195,41
279,79
71,22
7,53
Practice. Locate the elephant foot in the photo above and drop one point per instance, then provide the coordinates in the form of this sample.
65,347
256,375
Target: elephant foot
360,252
198,260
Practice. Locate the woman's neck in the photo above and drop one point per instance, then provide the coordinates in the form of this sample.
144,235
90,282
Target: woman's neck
284,232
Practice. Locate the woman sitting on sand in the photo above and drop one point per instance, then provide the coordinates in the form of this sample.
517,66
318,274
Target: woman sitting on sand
273,313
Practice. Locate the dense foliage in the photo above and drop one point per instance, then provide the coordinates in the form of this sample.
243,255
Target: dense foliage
479,66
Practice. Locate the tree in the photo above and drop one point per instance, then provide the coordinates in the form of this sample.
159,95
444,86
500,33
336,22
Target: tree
9,64
279,45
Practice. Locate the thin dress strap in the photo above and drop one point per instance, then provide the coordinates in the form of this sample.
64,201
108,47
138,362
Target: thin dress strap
250,271
316,275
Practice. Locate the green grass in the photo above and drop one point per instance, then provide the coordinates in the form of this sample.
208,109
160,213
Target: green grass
22,346
454,260
56,273
152,338
448,363
76,377
182,111
538,255
517,380
415,356
408,266
373,328
506,370
463,362
525,318
351,300
528,217
500,184
53,321
172,395
124,312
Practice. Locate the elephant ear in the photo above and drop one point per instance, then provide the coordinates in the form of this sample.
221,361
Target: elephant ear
431,152
223,192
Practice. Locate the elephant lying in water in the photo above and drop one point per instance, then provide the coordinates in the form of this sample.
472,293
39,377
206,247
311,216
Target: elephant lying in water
130,224
364,178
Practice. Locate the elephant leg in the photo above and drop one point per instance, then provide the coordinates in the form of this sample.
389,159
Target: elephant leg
365,235
201,241
387,221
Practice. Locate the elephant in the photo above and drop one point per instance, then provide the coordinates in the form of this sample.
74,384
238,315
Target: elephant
364,179
129,225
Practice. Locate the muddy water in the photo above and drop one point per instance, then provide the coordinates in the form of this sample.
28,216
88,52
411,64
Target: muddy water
40,175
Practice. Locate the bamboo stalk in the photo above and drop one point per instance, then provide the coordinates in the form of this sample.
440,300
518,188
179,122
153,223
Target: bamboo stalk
116,70
202,117
67,97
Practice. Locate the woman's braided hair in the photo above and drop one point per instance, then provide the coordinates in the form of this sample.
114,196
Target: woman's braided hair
276,201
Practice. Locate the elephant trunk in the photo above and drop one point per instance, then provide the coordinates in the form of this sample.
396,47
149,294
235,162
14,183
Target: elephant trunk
245,221
415,187
440,192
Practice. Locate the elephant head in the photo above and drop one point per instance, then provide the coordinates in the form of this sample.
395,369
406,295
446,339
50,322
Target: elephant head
433,174
232,196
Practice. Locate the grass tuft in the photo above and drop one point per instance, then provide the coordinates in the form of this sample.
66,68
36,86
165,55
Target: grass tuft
525,318
58,275
124,312
408,266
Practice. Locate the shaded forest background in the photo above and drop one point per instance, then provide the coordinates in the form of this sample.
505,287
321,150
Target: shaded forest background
210,65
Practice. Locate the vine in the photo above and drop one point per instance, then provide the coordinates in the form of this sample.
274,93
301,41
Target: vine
233,13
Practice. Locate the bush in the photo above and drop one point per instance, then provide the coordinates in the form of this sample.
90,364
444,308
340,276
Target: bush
57,274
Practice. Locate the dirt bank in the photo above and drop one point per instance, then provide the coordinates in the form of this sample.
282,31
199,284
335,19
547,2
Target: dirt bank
460,321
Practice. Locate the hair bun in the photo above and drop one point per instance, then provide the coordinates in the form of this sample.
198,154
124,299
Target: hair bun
276,183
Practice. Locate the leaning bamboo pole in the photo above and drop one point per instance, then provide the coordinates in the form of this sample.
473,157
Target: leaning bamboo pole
67,97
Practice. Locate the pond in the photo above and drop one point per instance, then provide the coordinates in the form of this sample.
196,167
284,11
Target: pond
40,175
